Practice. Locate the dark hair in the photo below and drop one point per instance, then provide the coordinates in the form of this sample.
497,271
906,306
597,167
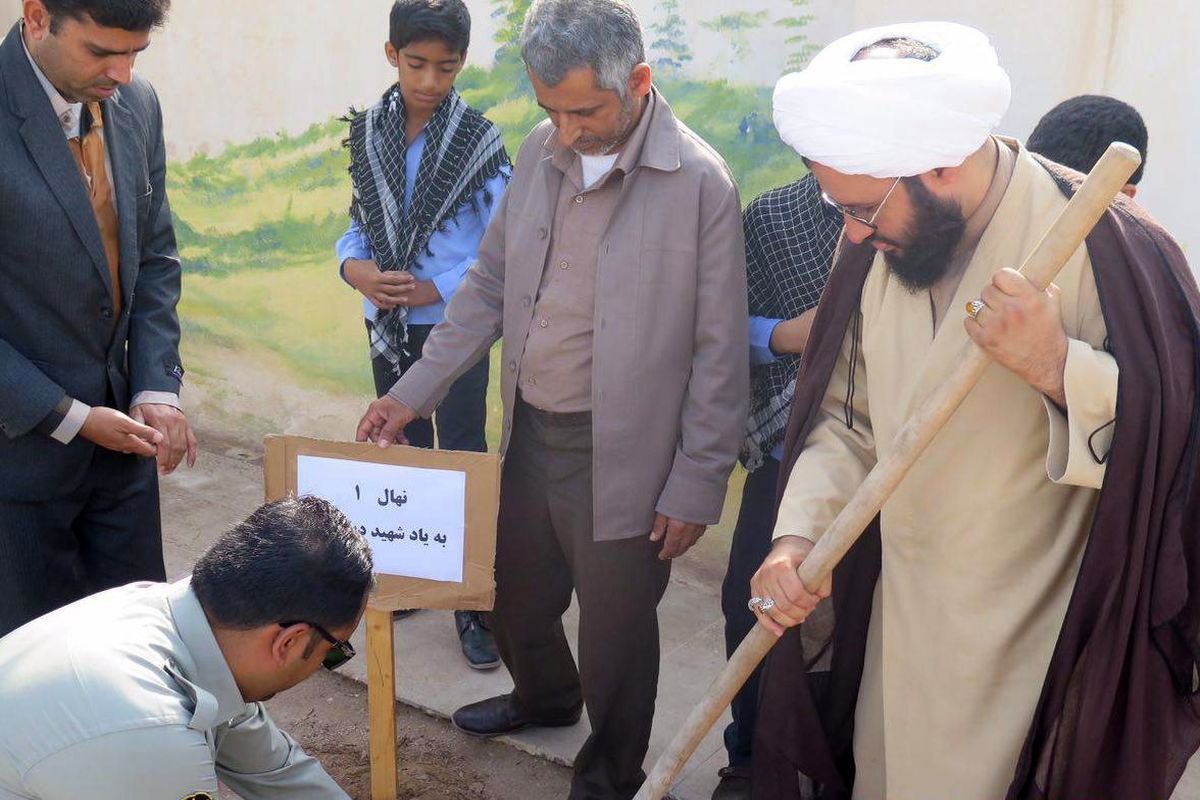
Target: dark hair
295,559
129,15
899,47
422,20
1076,132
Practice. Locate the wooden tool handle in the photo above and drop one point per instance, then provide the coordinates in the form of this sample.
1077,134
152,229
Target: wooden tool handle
1065,236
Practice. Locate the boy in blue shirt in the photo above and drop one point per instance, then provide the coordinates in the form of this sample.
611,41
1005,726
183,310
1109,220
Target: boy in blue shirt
427,173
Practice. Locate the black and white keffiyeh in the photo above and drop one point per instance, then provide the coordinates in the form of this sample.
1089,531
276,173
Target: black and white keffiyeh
790,238
463,152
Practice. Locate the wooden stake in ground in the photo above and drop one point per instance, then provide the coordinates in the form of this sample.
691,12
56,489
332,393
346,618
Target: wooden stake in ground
474,590
381,703
1065,236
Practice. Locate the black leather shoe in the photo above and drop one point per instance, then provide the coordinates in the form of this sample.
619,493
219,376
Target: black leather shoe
497,716
734,785
478,644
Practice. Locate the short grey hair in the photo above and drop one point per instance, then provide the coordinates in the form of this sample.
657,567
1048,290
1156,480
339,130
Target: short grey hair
562,35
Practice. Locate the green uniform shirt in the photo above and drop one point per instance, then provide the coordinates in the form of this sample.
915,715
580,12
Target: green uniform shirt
125,694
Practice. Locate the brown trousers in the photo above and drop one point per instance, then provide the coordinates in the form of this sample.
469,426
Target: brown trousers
544,551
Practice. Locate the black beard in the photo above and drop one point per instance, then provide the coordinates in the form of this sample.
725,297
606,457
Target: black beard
937,229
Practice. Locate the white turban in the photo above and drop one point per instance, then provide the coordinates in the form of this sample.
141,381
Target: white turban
894,117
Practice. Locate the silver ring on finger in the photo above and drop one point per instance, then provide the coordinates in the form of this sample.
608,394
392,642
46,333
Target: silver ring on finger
766,605
974,307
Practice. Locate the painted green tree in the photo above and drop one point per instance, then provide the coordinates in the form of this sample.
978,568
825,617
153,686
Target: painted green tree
511,15
737,28
800,48
671,38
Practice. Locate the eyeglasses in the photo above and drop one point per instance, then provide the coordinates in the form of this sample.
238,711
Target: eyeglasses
339,654
870,223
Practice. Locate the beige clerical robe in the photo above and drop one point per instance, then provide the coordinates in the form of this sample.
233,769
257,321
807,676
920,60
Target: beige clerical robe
983,539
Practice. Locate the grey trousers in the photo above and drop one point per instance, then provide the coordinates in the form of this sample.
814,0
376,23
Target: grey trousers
544,552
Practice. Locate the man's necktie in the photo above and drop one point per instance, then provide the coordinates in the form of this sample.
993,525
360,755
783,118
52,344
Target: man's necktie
89,153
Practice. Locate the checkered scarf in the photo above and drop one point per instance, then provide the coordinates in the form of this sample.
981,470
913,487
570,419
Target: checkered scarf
790,239
463,151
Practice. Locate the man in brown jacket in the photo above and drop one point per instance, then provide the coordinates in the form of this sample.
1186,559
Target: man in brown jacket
615,272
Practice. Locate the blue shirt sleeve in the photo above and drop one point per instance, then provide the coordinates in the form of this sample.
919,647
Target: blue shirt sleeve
447,282
353,244
761,329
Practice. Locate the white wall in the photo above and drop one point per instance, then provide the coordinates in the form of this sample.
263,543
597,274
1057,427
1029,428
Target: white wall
1141,51
231,70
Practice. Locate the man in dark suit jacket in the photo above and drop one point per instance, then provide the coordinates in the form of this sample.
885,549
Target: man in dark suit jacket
88,327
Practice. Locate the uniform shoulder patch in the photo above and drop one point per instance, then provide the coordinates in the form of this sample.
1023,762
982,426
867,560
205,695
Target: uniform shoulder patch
199,796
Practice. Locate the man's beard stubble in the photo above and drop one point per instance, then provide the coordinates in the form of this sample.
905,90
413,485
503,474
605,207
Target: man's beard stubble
593,146
937,228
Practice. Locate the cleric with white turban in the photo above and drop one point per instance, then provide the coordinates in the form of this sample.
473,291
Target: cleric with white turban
927,677
896,124
894,117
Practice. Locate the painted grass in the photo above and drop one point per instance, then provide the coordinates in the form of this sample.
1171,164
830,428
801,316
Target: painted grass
303,313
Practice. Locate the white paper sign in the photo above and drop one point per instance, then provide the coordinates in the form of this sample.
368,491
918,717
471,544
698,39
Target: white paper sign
413,518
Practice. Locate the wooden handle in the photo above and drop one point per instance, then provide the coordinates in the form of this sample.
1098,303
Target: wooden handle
1065,236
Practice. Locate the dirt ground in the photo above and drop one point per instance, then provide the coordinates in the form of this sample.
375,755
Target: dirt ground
328,716
328,713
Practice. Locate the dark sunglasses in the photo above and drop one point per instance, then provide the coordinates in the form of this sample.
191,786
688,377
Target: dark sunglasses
339,654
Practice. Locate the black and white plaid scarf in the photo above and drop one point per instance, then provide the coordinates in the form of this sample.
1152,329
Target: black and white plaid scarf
790,239
463,151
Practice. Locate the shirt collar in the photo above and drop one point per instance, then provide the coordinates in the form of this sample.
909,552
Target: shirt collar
211,670
981,218
69,114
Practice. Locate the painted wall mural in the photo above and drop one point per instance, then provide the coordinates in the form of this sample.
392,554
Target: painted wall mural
252,93
263,306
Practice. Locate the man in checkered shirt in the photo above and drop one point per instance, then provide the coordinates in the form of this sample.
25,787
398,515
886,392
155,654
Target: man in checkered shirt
790,239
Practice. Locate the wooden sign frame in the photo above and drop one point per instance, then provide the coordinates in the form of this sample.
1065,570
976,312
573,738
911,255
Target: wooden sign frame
477,591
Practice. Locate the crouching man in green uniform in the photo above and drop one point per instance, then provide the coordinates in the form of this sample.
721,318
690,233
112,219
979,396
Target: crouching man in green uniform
155,690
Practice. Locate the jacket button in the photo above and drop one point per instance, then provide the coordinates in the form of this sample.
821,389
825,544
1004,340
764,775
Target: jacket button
527,301
106,312
542,233
512,366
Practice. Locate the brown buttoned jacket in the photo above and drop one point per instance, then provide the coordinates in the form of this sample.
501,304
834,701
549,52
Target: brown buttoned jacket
670,372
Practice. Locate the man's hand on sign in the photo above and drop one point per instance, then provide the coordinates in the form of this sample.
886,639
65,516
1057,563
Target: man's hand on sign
113,430
783,600
679,535
1021,327
385,290
384,422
